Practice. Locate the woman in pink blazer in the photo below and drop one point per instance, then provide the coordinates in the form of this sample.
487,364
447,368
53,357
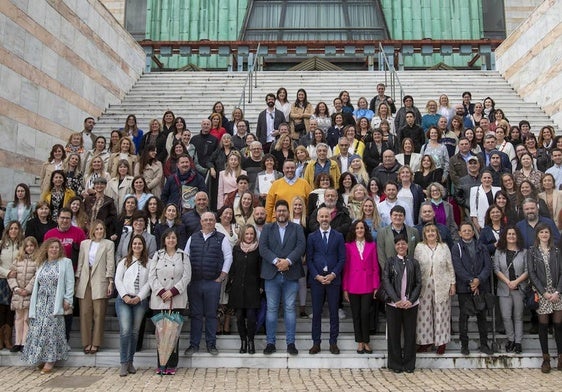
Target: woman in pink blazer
360,280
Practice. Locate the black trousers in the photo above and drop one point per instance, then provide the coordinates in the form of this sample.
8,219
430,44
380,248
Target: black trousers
246,322
360,313
401,323
464,300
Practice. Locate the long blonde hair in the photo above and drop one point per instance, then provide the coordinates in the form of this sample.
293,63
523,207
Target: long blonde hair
228,170
303,217
21,254
376,216
41,255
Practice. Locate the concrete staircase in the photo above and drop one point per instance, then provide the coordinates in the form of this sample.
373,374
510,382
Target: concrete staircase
228,346
192,94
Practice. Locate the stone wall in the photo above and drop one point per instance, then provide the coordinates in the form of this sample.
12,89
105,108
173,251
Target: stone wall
60,61
117,8
529,59
517,12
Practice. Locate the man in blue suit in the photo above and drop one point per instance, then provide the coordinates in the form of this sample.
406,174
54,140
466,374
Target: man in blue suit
282,244
325,257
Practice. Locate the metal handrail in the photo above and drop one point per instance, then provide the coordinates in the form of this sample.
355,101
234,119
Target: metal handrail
394,79
252,73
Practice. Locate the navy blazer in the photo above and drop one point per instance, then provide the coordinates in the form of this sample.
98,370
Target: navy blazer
320,255
467,269
292,248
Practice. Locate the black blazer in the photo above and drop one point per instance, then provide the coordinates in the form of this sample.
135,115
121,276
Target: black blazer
392,278
537,271
261,127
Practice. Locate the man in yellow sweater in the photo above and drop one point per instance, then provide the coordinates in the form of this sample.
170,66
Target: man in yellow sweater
286,188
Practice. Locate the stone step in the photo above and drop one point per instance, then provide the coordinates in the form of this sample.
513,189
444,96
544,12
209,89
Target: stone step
146,360
346,341
192,95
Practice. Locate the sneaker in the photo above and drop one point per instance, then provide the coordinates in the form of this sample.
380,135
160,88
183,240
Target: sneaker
484,349
212,350
292,350
191,350
303,315
170,371
160,371
341,314
465,350
269,349
517,348
509,346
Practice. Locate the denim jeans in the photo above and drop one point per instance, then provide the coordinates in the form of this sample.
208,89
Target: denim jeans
130,318
204,298
275,289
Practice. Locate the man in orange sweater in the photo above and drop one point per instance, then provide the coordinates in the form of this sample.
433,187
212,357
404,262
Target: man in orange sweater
286,188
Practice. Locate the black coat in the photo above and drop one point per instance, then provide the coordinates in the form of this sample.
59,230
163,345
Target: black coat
244,280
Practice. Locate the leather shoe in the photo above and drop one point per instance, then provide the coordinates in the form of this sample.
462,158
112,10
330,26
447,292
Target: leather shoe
191,350
315,349
484,349
334,349
212,350
292,350
269,349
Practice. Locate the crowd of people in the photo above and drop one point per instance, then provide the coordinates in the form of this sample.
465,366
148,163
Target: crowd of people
389,210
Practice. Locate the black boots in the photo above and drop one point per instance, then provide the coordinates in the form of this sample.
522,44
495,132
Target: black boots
243,346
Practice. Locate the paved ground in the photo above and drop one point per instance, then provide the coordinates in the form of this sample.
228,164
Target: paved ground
263,380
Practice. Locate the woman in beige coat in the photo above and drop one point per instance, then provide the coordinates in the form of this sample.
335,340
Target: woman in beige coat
438,285
169,274
22,286
94,284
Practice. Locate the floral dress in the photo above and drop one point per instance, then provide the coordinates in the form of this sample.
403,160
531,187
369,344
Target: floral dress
46,341
545,306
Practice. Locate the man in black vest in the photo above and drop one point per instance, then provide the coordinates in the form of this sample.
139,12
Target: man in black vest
211,257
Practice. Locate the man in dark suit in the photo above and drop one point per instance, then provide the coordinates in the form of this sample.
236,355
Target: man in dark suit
282,244
269,120
325,255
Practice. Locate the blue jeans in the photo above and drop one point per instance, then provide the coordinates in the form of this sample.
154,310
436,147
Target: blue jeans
130,318
275,289
204,298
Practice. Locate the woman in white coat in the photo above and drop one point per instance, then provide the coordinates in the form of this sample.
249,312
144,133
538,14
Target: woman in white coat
169,274
133,288
94,276
481,197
